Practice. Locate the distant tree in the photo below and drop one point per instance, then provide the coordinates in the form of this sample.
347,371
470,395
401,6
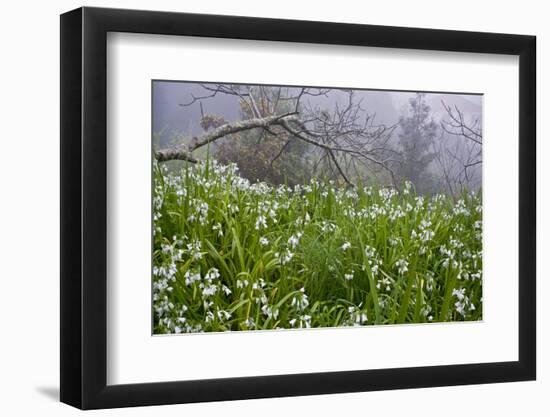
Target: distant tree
459,151
416,137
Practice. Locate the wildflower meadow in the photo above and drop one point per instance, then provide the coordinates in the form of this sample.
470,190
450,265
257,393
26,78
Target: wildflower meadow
230,254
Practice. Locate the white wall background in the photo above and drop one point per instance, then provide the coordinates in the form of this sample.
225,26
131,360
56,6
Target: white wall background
29,225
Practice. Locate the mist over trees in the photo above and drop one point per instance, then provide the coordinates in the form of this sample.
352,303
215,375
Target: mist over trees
416,139
292,134
281,207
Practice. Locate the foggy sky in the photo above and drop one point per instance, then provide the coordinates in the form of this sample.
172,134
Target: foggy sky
171,118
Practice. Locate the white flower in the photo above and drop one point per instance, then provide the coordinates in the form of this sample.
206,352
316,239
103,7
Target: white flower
294,240
286,258
209,290
402,266
242,284
212,274
427,235
249,323
459,294
223,315
261,222
233,208
393,241
209,317
305,321
218,227
424,224
374,269
301,301
460,308
348,277
270,312
194,248
264,241
190,278
346,246
370,252
360,318
357,317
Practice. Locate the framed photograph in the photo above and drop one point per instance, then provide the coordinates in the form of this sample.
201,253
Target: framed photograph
255,208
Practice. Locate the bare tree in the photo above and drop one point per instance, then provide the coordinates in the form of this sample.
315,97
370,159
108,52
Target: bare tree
344,139
459,151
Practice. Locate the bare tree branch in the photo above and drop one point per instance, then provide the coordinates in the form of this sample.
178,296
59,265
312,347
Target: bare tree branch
183,152
458,127
459,152
339,138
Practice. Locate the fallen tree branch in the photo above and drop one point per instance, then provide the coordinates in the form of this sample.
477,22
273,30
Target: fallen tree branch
285,121
183,152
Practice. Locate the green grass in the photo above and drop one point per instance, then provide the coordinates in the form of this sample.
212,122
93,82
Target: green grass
230,255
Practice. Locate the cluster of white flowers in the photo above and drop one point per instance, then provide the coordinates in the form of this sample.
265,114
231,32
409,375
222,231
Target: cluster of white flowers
232,208
384,284
402,266
218,228
164,278
357,317
430,281
370,252
191,277
372,259
374,211
261,222
395,213
270,312
300,301
460,208
386,194
348,277
437,236
449,257
408,187
294,240
285,257
463,303
394,241
194,249
199,211
427,235
327,226
299,304
419,203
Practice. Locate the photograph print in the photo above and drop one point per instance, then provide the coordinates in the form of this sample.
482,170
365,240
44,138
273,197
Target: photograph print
294,207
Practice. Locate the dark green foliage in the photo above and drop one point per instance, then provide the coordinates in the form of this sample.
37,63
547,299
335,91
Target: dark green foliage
418,131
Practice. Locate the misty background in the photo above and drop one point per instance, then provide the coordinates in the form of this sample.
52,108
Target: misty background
379,137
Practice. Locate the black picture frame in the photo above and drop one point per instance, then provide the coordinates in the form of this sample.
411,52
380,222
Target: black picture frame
84,207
